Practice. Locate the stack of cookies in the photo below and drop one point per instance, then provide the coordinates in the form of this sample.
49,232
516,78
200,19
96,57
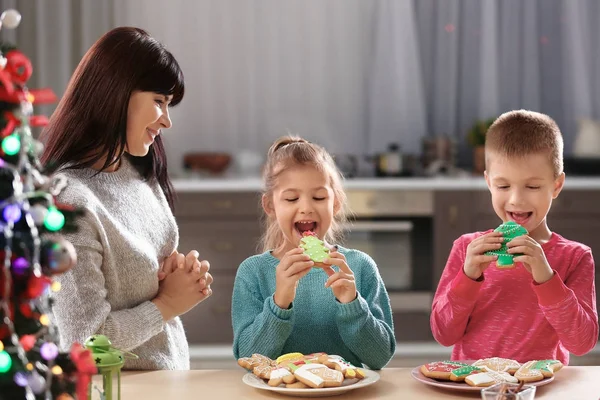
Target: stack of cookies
490,371
296,370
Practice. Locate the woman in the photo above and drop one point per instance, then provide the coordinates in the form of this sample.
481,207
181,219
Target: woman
106,138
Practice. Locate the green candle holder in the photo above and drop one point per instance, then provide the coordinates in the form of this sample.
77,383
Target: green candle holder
109,361
510,230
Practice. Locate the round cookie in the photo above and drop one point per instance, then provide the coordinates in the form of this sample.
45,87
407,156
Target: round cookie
498,364
509,230
441,369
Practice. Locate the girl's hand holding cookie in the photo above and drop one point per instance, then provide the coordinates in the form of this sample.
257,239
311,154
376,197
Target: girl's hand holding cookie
533,257
342,283
475,261
293,266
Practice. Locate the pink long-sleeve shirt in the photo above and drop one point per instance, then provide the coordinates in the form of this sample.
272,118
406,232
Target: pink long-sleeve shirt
506,314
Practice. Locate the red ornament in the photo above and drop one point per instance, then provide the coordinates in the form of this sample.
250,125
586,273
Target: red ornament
26,311
27,341
82,358
36,286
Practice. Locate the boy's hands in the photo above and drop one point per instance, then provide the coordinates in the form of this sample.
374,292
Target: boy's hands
476,261
533,257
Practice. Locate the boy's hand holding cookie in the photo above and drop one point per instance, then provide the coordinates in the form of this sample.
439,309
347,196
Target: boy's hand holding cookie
533,257
342,283
293,266
475,260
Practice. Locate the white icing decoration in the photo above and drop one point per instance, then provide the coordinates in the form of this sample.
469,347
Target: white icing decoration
305,373
279,373
490,377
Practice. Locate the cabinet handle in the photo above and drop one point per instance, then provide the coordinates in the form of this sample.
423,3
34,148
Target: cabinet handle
453,215
222,247
223,204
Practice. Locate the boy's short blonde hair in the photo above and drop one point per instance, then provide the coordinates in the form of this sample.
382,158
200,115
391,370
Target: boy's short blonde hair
520,133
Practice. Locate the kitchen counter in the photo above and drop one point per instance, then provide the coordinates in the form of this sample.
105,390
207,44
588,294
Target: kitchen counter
580,383
254,184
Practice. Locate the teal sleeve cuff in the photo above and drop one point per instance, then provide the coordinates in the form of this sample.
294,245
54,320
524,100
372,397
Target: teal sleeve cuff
349,311
278,311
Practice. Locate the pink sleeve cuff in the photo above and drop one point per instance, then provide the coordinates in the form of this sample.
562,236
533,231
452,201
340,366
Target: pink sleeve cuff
464,287
551,292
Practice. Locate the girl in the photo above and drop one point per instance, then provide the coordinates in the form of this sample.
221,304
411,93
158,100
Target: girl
281,304
105,137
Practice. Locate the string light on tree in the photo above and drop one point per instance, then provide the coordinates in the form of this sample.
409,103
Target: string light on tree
31,365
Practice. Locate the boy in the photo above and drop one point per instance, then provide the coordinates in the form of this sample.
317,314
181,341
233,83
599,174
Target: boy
543,308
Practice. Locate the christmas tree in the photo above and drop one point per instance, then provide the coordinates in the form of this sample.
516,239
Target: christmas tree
31,250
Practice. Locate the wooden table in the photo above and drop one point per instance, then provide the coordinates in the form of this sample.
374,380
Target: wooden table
571,383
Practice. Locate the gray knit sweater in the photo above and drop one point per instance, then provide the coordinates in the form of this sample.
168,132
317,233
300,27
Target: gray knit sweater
127,230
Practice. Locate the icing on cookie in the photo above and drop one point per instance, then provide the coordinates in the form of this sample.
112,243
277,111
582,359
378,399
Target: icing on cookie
497,364
314,247
488,377
289,357
307,371
444,366
509,230
279,373
544,365
464,371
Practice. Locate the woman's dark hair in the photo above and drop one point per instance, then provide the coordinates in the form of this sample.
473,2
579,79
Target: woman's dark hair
90,122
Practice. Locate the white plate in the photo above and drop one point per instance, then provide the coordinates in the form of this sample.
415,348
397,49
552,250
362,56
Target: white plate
349,384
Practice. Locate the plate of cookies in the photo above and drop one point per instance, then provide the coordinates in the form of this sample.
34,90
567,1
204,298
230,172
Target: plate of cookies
473,375
311,375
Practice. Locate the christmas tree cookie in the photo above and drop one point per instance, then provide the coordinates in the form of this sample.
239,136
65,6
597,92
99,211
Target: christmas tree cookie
314,247
510,230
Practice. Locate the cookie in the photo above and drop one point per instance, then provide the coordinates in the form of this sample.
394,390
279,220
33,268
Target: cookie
279,376
263,371
459,374
318,375
441,369
314,357
287,358
297,385
339,364
315,248
536,370
510,230
489,378
257,359
498,364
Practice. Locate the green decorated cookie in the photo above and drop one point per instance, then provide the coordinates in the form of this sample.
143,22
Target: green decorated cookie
314,247
510,230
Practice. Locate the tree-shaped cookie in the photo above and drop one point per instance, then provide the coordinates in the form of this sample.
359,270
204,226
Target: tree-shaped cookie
314,247
510,230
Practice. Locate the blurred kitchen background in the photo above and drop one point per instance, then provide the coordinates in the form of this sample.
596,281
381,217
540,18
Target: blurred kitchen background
400,91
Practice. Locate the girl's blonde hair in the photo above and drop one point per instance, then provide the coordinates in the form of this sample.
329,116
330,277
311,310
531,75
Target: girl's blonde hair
290,151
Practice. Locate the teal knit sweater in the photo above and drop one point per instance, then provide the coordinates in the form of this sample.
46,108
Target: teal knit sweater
361,331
